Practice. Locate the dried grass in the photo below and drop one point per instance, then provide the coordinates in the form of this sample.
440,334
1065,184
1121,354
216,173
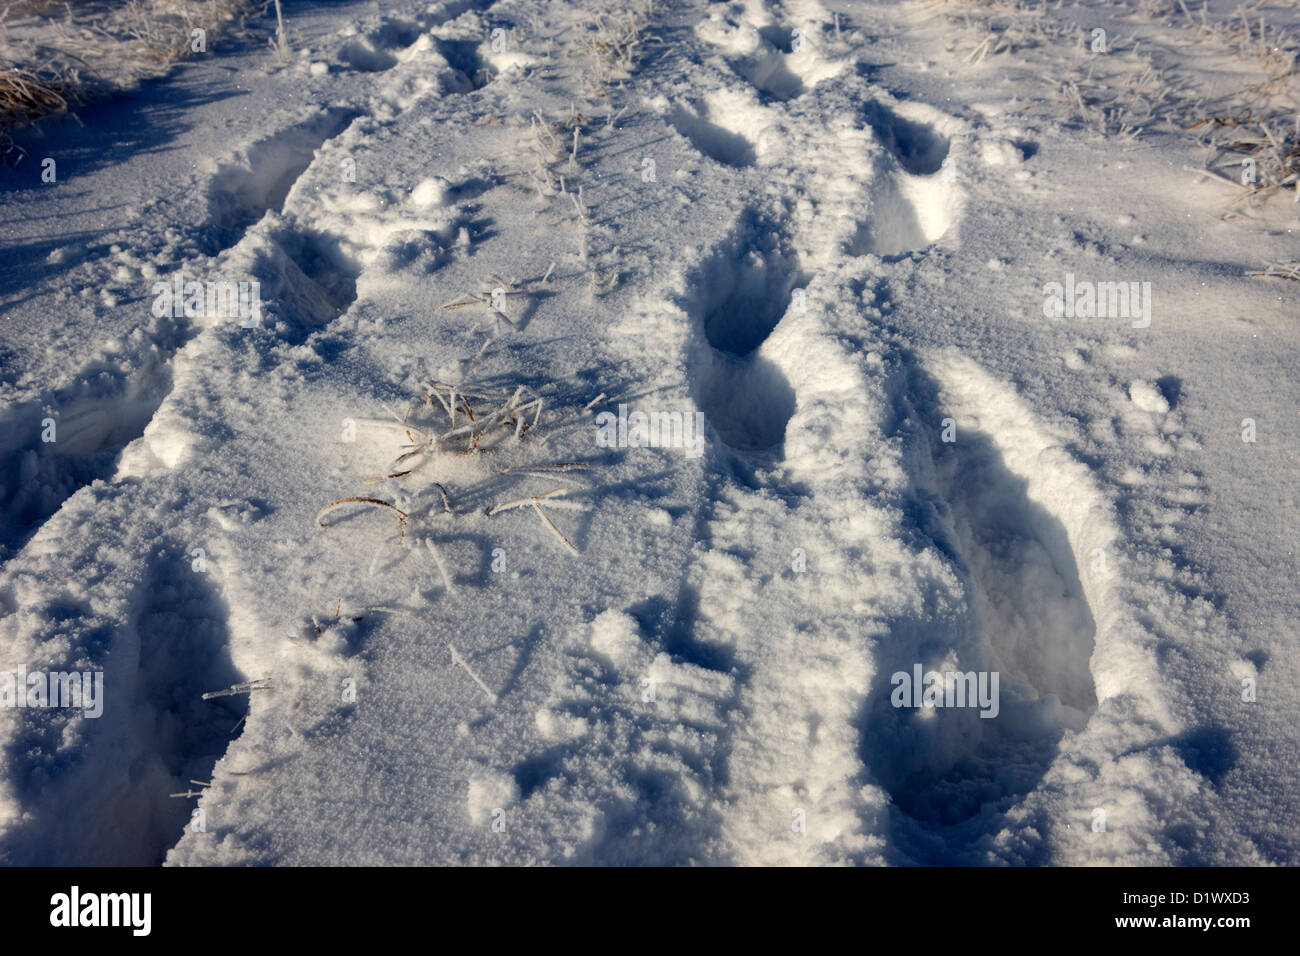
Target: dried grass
613,44
61,54
462,420
1252,129
26,96
1264,153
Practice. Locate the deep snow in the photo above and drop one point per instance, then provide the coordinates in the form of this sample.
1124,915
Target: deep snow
823,225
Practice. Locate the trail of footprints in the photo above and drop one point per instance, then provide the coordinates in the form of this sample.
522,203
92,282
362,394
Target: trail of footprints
1028,618
1003,562
301,271
313,269
1008,554
755,280
1000,562
161,660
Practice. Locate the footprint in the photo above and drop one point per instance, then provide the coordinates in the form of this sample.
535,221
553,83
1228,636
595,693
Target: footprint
1028,591
766,60
473,71
768,72
740,294
361,53
94,420
397,34
444,12
716,142
777,59
160,650
259,179
912,201
1026,617
305,278
374,52
895,228
919,148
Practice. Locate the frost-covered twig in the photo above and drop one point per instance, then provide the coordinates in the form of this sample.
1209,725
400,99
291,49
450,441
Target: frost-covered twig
551,524
1279,270
461,662
437,560
246,687
523,502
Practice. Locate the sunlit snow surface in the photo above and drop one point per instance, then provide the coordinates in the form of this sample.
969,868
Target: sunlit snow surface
829,228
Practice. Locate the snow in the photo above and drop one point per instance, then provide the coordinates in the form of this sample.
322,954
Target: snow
827,226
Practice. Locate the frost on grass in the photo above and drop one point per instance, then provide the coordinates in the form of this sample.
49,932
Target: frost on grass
614,42
61,54
1259,153
1145,67
479,438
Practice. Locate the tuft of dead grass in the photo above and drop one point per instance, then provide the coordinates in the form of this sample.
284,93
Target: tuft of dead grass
1244,112
60,53
614,42
1263,153
26,96
484,426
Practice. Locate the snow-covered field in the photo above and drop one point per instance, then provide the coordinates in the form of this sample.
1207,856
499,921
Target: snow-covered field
948,325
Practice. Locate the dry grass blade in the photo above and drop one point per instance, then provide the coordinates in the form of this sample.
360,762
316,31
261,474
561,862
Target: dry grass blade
1279,270
446,501
460,661
401,515
551,524
437,560
247,687
522,502
556,468
396,474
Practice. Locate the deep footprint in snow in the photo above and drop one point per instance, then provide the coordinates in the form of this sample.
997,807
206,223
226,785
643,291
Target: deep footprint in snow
364,54
713,140
1026,618
92,422
741,293
155,735
768,66
260,179
306,278
895,228
768,50
373,53
911,200
474,71
919,148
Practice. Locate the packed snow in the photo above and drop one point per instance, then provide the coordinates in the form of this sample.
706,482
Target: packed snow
572,435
